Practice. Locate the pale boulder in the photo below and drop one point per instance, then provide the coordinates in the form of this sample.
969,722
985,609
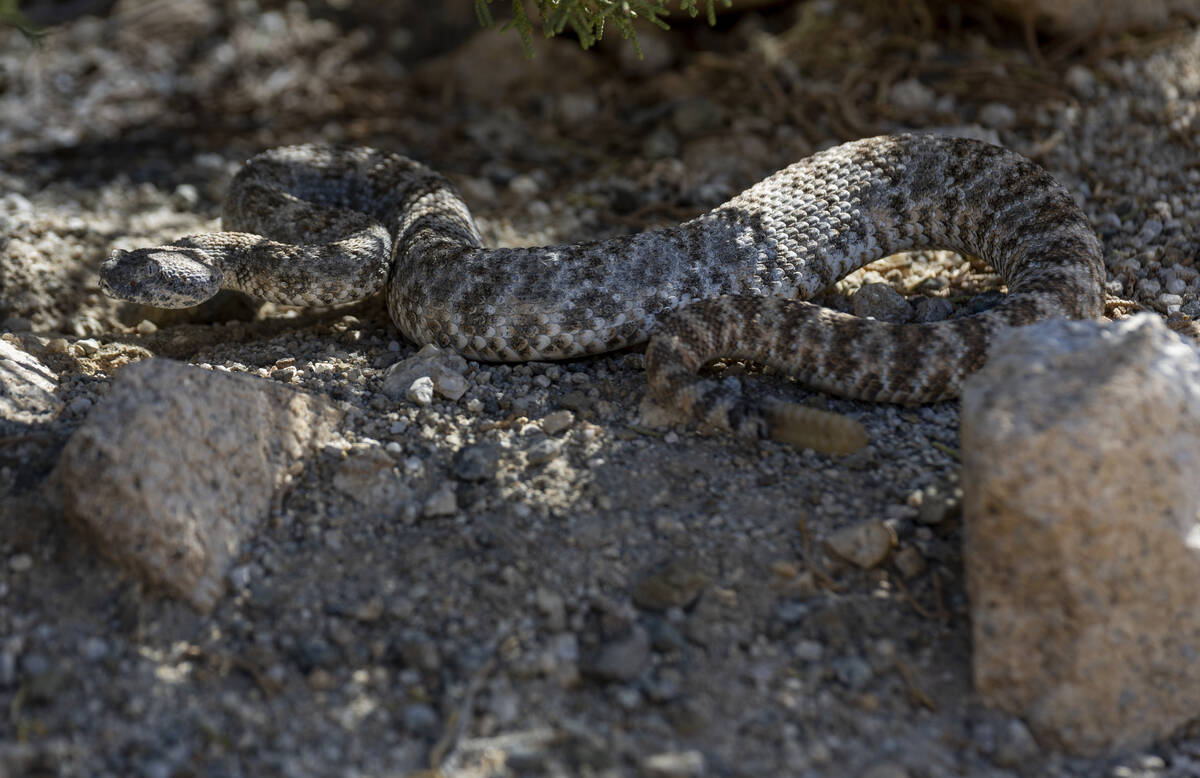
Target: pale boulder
177,465
1081,449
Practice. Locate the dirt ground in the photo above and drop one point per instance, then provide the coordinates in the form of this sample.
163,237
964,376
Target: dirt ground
611,596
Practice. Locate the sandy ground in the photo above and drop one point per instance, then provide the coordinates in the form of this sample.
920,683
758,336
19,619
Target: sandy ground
613,597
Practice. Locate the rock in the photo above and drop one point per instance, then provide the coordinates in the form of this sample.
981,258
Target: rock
911,96
415,649
621,659
885,770
882,302
557,421
450,385
1081,545
853,671
672,584
808,650
88,346
932,309
443,502
370,477
940,503
864,545
679,764
660,143
909,562
1081,81
553,607
420,391
419,719
997,116
1014,744
443,369
694,116
478,462
177,465
543,451
27,387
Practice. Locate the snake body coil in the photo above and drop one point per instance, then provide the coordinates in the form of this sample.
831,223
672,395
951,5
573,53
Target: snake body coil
319,225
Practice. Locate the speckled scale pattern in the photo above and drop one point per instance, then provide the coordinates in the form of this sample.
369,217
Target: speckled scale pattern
317,225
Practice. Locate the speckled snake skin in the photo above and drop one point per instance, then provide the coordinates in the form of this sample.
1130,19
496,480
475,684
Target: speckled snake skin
320,225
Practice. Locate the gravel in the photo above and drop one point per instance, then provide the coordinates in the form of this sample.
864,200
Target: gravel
471,589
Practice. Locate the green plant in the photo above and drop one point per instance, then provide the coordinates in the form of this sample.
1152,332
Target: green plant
587,18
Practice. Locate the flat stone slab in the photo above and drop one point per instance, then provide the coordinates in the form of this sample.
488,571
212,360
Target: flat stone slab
28,389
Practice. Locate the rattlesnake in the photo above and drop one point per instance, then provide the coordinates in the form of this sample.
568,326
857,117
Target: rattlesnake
343,222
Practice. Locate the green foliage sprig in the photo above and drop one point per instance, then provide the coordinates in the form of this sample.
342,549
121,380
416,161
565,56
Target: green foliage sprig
587,18
10,16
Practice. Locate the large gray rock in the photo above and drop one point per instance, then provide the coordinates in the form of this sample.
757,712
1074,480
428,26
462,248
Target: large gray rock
1081,449
178,465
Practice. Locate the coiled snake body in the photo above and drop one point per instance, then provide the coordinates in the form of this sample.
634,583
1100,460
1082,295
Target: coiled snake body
320,225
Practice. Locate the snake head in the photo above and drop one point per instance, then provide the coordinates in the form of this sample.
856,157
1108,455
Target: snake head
165,277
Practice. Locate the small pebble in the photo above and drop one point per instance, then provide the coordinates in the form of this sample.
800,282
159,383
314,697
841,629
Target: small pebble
885,770
1081,81
865,545
853,671
881,302
939,504
420,719
661,143
146,327
911,96
94,649
678,764
808,650
1014,744
909,562
450,385
553,607
420,391
621,659
19,563
674,584
543,451
557,421
929,309
88,346
998,116
477,462
524,185
443,502
697,115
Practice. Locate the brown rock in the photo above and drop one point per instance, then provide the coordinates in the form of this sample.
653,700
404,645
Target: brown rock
177,465
1082,550
864,545
369,477
671,584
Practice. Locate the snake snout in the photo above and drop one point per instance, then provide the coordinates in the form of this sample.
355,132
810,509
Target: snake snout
166,277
